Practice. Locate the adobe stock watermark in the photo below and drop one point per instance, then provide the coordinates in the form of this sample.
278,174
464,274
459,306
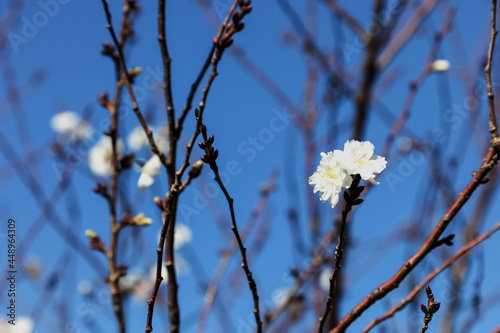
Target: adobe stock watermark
454,117
222,8
87,311
249,149
33,23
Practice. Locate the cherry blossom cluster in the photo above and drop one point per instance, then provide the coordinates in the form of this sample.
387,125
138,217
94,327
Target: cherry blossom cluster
337,167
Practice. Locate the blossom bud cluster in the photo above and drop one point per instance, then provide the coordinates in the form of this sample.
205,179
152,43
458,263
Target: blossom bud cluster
337,167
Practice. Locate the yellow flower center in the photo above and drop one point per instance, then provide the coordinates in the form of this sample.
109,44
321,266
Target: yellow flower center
360,161
330,174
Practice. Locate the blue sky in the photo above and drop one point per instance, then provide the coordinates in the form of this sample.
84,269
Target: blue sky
65,48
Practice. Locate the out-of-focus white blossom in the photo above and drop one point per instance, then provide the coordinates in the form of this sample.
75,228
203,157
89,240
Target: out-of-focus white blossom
164,273
182,235
181,265
128,282
181,268
329,178
70,127
100,156
142,290
358,158
84,287
440,65
279,296
404,143
137,138
324,279
149,170
161,139
23,325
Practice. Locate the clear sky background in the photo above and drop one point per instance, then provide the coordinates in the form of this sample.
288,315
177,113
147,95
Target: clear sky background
65,51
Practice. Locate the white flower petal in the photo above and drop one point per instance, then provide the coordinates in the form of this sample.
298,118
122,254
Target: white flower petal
137,138
23,325
100,156
65,122
324,279
145,180
164,273
182,235
330,177
153,166
358,158
162,139
440,65
70,127
84,287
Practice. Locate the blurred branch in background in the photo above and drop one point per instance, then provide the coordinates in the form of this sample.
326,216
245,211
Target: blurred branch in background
334,71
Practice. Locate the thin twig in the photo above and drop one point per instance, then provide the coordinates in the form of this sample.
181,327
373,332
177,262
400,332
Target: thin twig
429,310
384,289
409,298
173,135
370,72
406,32
221,42
226,256
495,141
128,84
46,204
316,263
415,85
210,158
350,196
348,18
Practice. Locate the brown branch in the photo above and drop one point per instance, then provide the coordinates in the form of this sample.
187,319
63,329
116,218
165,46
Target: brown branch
226,256
173,135
348,18
429,310
370,72
210,158
221,42
380,292
496,330
409,298
495,141
116,272
128,83
478,178
158,278
316,263
415,85
406,32
350,197
46,204
204,68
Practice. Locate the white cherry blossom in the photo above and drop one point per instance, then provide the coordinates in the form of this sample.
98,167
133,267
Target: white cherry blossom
330,177
138,140
70,127
182,235
149,170
358,158
100,156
